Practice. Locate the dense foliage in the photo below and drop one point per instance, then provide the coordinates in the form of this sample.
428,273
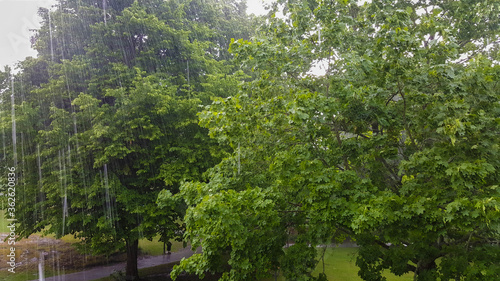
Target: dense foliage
106,116
396,145
142,117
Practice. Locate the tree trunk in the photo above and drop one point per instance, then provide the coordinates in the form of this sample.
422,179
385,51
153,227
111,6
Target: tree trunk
427,269
131,271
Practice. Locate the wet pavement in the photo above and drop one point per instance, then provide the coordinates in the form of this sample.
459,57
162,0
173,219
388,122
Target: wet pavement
104,271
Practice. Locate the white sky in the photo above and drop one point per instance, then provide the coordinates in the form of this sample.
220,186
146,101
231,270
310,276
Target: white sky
17,17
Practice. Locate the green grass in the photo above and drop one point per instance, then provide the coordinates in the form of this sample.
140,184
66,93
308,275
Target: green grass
340,265
155,248
3,222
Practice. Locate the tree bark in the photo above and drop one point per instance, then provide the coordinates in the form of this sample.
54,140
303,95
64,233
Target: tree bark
131,271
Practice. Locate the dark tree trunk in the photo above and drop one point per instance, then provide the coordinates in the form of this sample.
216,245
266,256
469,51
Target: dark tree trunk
426,269
131,271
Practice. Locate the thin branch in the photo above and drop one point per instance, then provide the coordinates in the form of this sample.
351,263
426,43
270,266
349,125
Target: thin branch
391,98
295,204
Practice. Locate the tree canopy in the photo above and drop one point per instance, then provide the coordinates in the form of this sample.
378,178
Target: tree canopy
395,146
151,117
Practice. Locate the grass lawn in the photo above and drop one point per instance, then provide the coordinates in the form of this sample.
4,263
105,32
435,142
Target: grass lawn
3,222
340,265
155,248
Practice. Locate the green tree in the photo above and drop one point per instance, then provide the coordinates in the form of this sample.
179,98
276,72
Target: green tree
147,140
106,118
396,145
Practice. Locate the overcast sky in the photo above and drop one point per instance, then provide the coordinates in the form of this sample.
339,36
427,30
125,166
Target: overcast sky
17,17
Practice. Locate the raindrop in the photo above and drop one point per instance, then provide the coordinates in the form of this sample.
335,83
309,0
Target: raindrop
62,173
50,35
239,159
14,139
189,84
3,140
319,35
40,183
104,11
109,213
57,257
41,265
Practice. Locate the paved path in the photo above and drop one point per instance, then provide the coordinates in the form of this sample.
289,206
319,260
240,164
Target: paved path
104,271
